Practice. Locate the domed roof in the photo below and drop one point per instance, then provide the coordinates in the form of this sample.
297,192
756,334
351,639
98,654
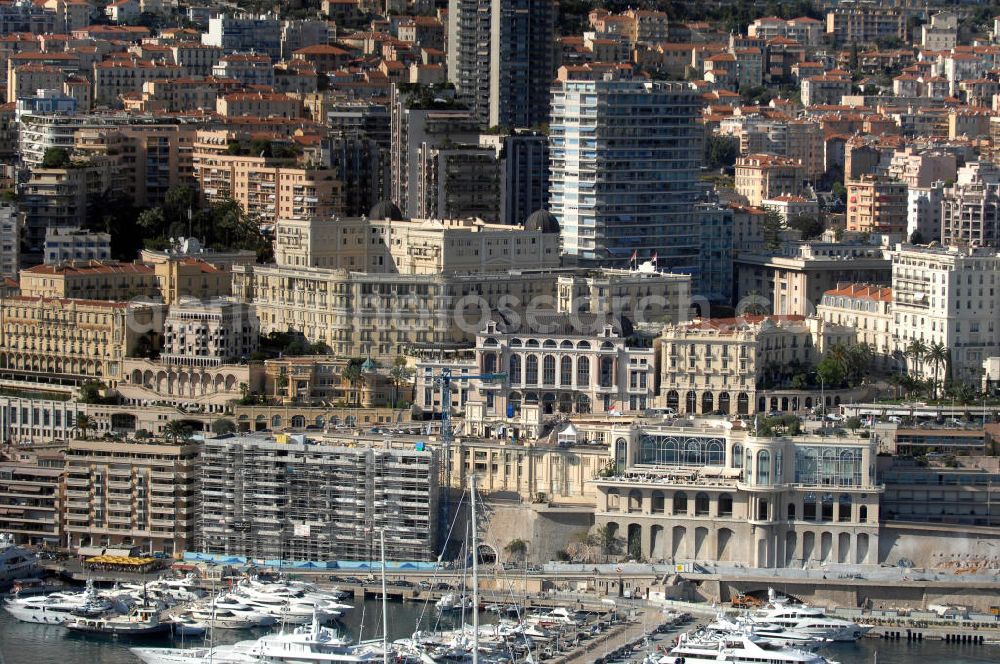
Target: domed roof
385,210
541,220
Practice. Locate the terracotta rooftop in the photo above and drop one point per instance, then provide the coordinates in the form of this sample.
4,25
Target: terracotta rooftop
862,292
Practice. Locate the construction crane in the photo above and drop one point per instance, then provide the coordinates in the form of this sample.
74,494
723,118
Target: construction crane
444,380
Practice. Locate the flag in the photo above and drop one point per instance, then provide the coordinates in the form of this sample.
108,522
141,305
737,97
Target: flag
654,258
635,256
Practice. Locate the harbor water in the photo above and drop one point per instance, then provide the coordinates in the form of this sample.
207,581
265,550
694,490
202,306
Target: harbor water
22,643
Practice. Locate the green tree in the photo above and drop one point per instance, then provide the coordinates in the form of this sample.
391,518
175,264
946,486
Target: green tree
853,423
810,226
55,158
771,226
721,151
90,392
84,423
516,549
175,431
606,538
839,191
222,426
831,373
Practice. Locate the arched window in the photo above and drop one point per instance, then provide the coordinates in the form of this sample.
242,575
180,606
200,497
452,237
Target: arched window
791,511
515,369
614,500
621,454
531,370
763,467
489,363
549,370
607,371
583,372
566,371
863,514
680,503
658,503
725,505
737,456
701,504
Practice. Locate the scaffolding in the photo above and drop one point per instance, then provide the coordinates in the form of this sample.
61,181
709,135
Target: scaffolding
316,501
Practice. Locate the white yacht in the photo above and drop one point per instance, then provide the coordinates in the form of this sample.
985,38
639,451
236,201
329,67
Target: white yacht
773,634
807,620
290,605
304,645
453,602
221,618
736,648
15,562
233,604
56,608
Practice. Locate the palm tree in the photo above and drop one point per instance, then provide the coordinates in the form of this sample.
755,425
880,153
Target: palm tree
176,430
399,374
937,355
84,423
917,349
352,374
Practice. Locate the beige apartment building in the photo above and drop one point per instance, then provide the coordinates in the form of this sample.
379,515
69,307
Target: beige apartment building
118,76
55,340
712,494
763,176
179,277
259,104
319,380
876,205
413,246
860,24
715,365
948,295
167,280
867,309
130,494
30,507
93,280
266,188
826,89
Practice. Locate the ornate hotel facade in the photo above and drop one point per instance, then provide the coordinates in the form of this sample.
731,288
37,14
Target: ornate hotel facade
720,495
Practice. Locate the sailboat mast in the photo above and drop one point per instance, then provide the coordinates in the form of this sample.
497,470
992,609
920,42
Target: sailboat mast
475,576
385,604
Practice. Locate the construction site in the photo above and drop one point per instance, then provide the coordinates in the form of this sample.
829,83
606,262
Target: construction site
287,497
